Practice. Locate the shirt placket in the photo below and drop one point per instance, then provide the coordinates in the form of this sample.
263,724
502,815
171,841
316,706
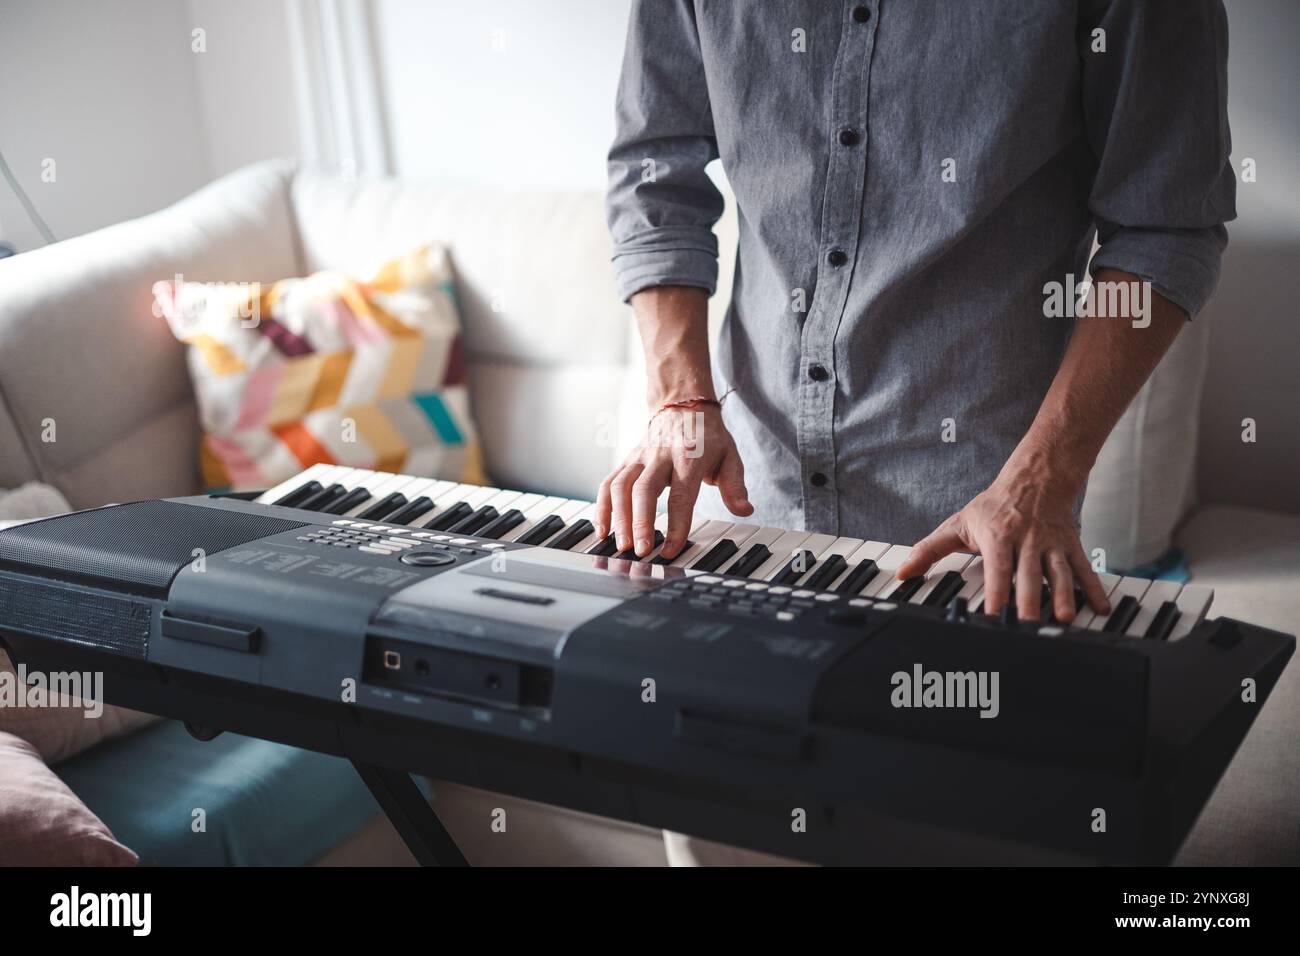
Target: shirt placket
837,252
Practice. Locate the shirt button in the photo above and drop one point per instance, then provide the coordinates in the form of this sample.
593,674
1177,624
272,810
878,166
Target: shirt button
861,14
848,137
837,257
818,373
817,479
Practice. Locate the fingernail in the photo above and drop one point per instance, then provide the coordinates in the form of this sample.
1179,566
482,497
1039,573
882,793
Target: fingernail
620,543
642,545
601,531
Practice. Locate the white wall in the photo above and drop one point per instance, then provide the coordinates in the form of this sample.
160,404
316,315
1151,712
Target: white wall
510,93
132,116
106,90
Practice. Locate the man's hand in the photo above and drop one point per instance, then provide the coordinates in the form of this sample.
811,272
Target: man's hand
682,449
1022,524
1024,530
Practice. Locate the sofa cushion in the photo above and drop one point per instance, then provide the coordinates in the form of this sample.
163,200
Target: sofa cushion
329,369
1142,483
42,823
264,804
1252,560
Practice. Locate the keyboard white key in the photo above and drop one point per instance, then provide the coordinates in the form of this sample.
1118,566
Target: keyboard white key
1086,614
885,582
737,534
783,550
951,562
764,536
1193,602
1127,587
1157,594
814,543
320,473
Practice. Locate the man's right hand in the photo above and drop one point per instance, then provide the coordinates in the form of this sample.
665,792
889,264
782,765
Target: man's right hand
682,449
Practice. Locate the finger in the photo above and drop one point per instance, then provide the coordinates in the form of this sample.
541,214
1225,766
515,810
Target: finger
938,544
1061,579
731,484
1087,579
604,505
997,572
620,491
645,502
682,495
1029,583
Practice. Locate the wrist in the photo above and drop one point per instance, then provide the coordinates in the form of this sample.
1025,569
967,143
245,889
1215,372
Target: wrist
1053,473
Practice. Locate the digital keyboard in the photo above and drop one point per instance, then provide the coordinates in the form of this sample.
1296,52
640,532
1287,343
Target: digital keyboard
785,561
773,689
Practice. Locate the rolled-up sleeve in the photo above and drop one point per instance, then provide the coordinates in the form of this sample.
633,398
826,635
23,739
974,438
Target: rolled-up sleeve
1155,104
661,203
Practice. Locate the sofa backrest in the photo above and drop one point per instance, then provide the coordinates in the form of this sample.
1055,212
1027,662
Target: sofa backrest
548,342
94,394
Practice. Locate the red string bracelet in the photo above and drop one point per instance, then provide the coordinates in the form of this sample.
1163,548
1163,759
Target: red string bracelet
692,403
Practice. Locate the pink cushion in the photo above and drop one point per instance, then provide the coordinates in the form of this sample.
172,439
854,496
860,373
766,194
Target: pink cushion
42,823
60,732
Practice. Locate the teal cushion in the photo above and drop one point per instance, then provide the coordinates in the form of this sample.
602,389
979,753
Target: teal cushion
264,804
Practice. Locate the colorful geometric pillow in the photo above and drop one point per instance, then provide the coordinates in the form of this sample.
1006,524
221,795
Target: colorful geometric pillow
328,369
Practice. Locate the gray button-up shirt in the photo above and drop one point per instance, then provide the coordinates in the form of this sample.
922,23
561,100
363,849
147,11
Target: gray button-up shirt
910,176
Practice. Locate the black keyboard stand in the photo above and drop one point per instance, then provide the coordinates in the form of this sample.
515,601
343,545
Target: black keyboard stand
405,806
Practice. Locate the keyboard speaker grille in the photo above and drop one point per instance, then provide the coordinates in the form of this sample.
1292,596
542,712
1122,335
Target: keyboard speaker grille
136,547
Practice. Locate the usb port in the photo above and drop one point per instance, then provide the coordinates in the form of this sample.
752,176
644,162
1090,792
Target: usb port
392,661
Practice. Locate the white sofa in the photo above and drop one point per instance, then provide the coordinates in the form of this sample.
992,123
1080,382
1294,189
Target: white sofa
555,382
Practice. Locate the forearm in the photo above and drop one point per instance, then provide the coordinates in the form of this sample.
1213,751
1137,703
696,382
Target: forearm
1106,363
674,327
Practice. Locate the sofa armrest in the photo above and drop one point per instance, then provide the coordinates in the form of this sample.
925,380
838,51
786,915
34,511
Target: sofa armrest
95,386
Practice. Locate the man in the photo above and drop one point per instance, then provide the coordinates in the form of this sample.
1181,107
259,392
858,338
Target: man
911,180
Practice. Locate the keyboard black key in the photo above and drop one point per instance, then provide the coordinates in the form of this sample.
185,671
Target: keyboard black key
354,498
858,578
750,561
945,590
508,521
716,556
1166,617
1122,616
567,539
798,565
475,521
323,499
906,589
300,494
415,509
456,513
661,560
829,570
383,507
630,553
542,530
605,548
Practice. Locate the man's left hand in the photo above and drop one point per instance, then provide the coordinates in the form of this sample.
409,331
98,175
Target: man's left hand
1024,530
